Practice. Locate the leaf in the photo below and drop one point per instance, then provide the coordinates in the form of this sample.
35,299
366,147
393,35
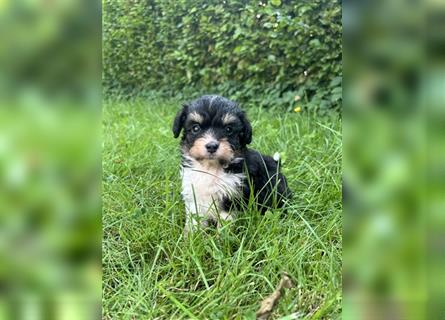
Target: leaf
335,82
275,3
270,302
315,42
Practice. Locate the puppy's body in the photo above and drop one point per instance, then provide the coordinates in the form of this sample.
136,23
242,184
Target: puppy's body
266,183
206,187
219,173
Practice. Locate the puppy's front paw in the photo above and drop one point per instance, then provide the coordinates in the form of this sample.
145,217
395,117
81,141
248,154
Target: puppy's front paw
223,218
193,223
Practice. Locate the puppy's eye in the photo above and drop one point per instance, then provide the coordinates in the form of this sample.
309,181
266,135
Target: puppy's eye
196,128
229,130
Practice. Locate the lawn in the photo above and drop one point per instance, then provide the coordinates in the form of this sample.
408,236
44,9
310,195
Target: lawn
149,269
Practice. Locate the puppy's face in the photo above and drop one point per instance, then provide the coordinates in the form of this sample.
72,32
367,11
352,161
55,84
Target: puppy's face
215,129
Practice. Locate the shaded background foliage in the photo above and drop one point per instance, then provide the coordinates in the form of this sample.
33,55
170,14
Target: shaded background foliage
263,52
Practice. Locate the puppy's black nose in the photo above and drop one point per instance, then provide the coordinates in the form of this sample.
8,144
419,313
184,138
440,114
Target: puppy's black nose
212,147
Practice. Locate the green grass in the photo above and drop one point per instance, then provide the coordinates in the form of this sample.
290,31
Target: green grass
149,269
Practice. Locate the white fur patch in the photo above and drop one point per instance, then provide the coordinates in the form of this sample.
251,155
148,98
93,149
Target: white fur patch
205,184
276,156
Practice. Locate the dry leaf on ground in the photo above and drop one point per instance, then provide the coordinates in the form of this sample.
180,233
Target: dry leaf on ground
269,303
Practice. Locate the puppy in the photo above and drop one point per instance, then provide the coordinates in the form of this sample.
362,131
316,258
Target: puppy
219,173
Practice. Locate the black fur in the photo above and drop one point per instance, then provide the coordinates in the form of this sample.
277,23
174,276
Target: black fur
265,181
267,184
178,123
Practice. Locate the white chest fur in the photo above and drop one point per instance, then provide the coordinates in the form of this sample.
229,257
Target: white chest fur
204,186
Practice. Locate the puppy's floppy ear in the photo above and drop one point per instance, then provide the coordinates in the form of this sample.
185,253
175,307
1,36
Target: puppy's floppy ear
246,133
178,124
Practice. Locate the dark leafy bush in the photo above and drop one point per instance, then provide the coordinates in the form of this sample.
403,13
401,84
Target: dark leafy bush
263,52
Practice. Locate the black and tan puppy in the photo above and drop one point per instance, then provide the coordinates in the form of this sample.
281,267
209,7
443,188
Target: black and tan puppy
219,173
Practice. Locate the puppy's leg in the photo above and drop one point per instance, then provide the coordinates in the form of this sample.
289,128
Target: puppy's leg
193,222
223,217
198,214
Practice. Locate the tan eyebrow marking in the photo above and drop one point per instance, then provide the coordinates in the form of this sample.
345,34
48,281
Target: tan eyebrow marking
196,117
228,118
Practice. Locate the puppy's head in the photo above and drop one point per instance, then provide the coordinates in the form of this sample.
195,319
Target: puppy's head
215,129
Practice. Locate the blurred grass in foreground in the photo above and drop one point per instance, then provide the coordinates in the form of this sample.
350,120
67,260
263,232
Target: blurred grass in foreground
394,225
50,225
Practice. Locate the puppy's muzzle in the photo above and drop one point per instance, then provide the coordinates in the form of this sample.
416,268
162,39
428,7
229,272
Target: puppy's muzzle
212,147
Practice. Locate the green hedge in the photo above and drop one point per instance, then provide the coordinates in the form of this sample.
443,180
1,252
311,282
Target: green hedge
264,52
